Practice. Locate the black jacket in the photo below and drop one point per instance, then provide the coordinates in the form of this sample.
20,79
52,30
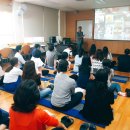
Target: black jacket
97,107
124,63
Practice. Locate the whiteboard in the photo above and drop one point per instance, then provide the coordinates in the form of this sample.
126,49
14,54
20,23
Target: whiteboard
87,27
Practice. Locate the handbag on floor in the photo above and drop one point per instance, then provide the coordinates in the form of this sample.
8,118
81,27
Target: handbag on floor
45,72
127,92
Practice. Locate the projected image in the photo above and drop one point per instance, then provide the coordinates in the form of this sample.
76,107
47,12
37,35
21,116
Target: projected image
112,23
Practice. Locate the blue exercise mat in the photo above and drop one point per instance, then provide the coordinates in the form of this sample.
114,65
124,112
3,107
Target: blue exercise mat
72,72
47,79
47,67
115,68
72,112
122,79
2,88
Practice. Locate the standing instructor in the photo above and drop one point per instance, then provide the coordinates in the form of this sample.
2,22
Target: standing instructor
79,37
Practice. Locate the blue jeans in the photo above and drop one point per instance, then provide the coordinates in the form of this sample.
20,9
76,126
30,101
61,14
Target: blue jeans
115,87
4,117
45,92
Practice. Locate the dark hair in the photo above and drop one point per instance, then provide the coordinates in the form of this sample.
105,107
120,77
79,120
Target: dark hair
13,62
18,48
26,97
64,55
99,55
105,52
92,50
37,54
101,79
107,63
85,65
62,66
80,27
81,52
127,51
70,46
51,48
29,71
37,46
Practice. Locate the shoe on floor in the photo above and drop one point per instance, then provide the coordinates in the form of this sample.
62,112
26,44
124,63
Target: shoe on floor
84,126
92,127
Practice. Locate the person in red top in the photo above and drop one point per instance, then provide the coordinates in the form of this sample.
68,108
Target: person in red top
24,114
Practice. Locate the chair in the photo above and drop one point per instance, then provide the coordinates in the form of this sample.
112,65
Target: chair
26,51
6,54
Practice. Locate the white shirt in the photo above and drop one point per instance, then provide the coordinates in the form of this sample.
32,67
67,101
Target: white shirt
1,72
109,82
109,56
38,63
77,63
96,65
68,51
12,76
20,59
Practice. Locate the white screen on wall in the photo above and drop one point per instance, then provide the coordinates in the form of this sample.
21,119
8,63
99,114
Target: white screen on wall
112,23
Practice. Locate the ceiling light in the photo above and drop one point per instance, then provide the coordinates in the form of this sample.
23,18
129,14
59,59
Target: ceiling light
80,0
100,1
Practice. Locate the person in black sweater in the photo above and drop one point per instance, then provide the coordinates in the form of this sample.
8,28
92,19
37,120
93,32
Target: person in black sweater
92,51
98,100
124,61
84,72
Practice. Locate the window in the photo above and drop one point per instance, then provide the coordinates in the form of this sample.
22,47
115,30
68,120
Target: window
6,28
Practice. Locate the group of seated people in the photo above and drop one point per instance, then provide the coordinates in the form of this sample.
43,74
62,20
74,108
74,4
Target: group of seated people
93,81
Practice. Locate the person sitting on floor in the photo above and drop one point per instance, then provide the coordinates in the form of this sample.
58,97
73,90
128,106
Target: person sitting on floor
96,62
84,72
24,114
107,54
69,50
12,76
36,47
29,72
38,62
124,61
92,51
78,60
19,56
64,96
43,53
112,86
65,56
50,56
98,100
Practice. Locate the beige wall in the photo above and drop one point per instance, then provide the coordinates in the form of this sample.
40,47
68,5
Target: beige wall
33,21
116,47
50,23
37,21
62,24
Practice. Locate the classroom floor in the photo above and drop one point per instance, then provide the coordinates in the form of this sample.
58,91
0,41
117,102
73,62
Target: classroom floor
121,108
